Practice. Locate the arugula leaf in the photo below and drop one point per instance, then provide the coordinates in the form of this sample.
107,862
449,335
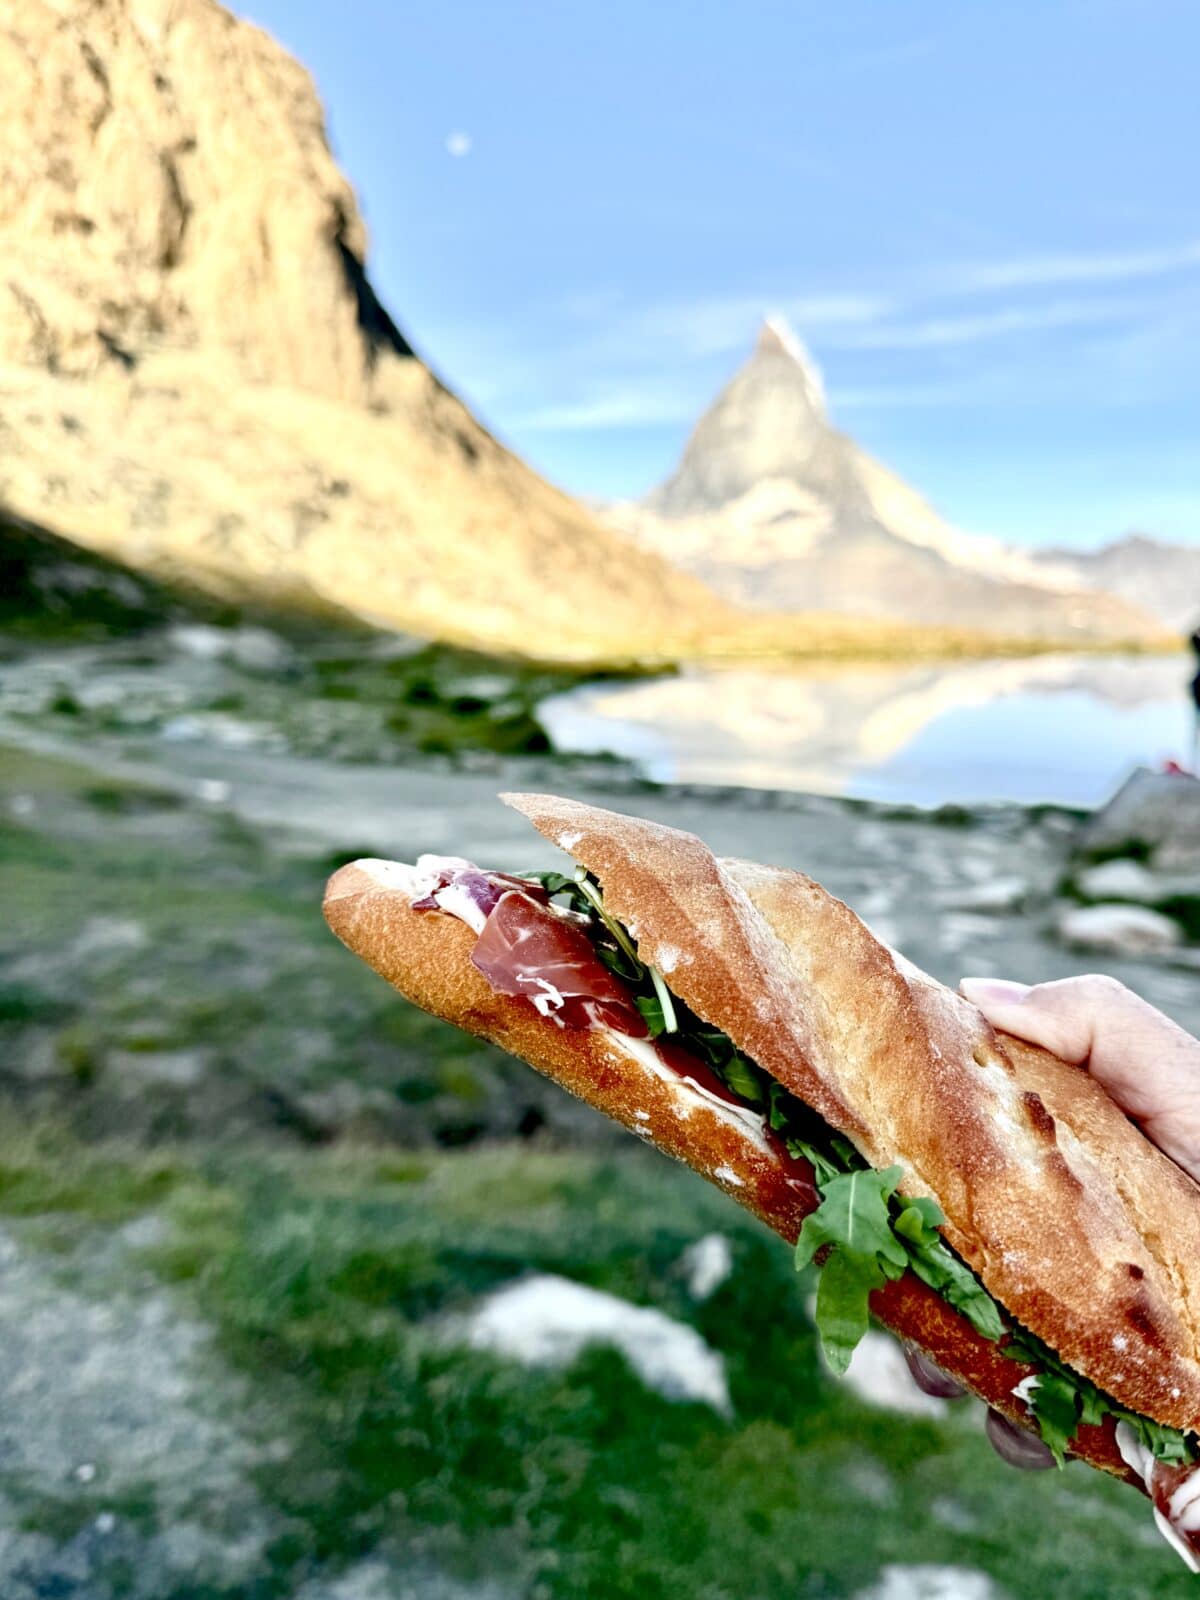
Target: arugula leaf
853,1215
941,1269
1168,1444
919,1221
665,1003
843,1292
853,1221
552,882
742,1078
1054,1402
652,1013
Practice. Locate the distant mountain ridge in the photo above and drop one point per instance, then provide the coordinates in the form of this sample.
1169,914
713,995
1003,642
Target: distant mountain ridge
775,507
1162,578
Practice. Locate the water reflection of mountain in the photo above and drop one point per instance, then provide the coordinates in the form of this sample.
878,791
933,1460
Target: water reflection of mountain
820,729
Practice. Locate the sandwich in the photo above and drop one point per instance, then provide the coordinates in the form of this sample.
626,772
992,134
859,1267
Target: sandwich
983,1199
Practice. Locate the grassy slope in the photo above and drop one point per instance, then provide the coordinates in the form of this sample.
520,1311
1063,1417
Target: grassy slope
328,1275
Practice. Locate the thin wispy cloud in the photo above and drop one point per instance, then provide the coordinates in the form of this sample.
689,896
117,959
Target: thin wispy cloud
636,406
925,333
1046,271
719,324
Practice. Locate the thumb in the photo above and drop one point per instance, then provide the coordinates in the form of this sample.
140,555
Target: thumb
1146,1062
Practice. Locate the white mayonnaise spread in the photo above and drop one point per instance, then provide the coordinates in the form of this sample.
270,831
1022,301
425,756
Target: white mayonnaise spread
1136,1455
1024,1389
688,1094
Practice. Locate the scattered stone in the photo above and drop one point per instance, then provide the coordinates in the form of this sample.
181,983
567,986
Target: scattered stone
1119,929
1155,811
707,1264
868,1479
992,895
376,1579
878,1374
1119,879
256,649
929,1582
545,1320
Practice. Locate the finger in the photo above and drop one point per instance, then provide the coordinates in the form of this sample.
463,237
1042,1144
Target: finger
1149,1065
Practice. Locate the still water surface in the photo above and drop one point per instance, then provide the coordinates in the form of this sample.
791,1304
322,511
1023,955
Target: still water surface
1053,728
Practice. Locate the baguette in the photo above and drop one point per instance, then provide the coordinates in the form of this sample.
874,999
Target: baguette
996,1131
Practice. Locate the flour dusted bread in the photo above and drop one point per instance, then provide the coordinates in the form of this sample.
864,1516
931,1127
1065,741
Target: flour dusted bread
1073,1220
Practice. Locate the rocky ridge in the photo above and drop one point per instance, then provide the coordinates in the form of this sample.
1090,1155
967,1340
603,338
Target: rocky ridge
1162,578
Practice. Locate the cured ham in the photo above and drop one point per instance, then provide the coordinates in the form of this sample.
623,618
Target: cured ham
466,892
1174,1492
530,949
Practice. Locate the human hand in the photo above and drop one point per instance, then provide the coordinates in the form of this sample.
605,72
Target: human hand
1146,1062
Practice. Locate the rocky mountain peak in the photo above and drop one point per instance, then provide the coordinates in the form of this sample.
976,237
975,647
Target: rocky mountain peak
769,422
777,341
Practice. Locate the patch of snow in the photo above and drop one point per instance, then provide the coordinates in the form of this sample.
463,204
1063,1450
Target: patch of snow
707,1263
878,1374
929,1582
546,1320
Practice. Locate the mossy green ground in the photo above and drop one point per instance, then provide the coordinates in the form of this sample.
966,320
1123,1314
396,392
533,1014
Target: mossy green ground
333,1277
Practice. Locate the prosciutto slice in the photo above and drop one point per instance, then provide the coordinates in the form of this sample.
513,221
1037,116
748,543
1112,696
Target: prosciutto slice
472,895
529,949
1174,1492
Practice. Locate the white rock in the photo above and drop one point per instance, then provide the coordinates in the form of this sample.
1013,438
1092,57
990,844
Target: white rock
929,1582
878,1374
1119,929
1121,879
707,1263
545,1320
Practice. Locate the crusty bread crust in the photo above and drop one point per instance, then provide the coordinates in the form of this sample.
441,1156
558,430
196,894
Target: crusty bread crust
427,957
1073,1220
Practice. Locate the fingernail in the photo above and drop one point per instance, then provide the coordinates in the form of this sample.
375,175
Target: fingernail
984,992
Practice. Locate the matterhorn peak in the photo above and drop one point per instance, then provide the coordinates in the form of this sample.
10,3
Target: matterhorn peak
769,422
776,338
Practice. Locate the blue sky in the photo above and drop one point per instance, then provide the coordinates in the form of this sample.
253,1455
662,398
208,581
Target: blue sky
983,218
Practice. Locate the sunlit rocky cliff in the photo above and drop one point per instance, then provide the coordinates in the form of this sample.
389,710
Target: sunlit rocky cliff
197,377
